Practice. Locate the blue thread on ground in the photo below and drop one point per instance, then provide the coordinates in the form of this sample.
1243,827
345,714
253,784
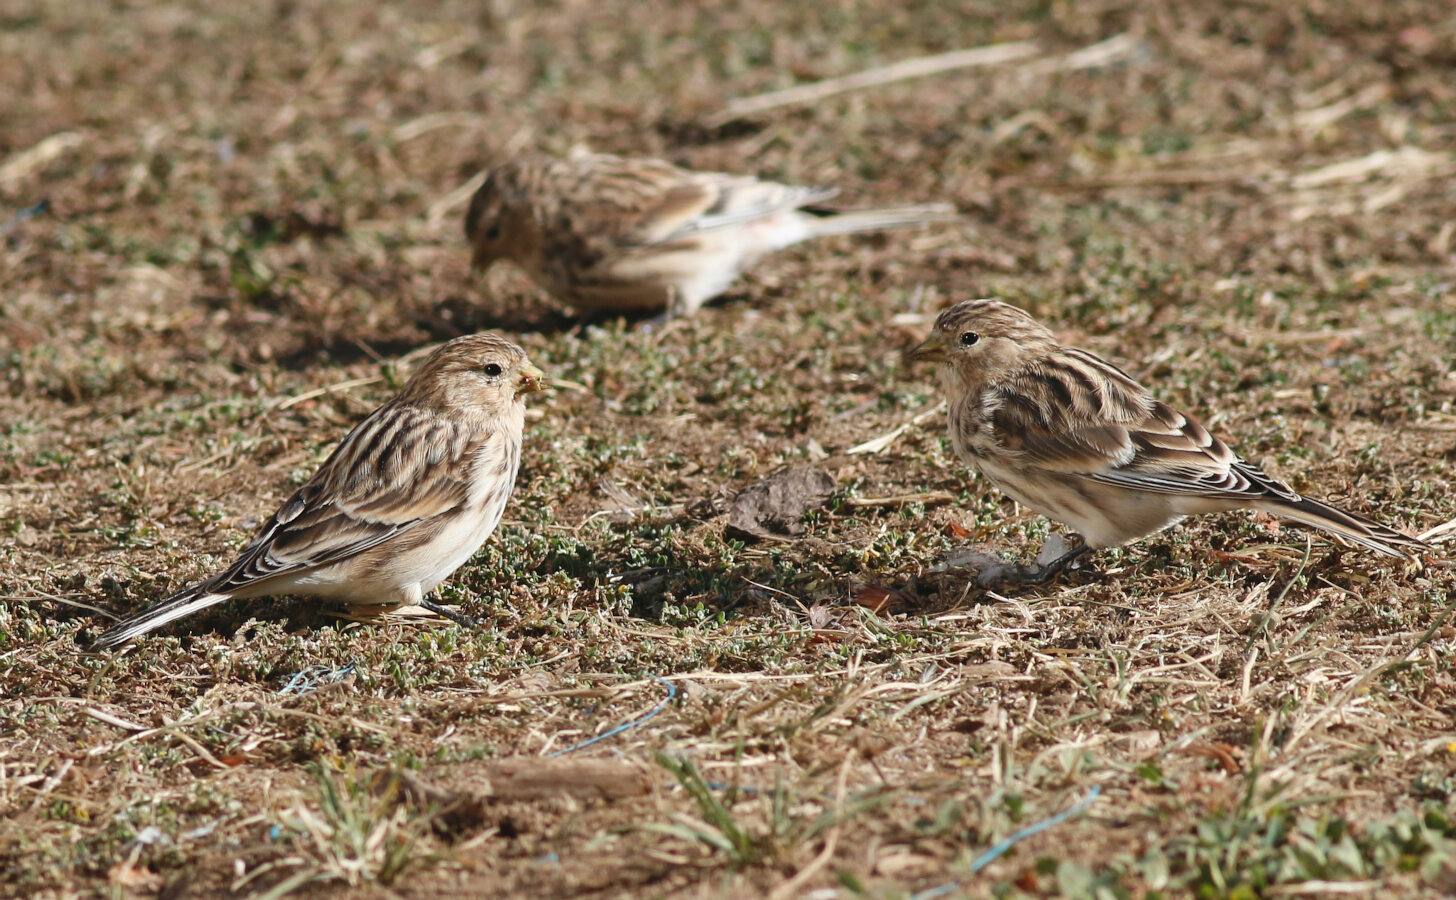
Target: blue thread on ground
1001,846
671,696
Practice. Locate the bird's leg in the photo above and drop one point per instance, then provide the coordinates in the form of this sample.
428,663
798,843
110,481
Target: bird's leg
674,303
658,325
458,618
1009,574
1041,574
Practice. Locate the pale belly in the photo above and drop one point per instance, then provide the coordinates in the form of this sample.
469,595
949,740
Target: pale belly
1104,515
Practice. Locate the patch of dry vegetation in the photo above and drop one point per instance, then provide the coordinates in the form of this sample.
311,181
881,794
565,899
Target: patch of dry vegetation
224,231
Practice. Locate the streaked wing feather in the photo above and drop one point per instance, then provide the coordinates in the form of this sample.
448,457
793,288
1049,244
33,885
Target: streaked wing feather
377,484
623,201
653,202
1192,461
674,213
742,200
1083,451
1163,452
1032,417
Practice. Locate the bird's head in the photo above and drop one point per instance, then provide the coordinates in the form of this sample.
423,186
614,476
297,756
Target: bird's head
487,222
476,372
977,339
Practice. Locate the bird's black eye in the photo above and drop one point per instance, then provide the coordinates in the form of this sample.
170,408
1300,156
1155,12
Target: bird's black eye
968,338
492,233
493,369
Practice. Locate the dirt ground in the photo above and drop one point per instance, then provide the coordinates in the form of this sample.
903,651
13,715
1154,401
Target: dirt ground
226,231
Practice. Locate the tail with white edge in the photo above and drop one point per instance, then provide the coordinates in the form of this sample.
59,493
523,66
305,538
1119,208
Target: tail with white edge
823,222
1352,527
184,603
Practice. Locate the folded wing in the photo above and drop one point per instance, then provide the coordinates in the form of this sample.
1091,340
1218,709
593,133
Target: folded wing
399,468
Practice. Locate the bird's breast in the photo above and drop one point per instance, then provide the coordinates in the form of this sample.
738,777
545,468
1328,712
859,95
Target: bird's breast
970,429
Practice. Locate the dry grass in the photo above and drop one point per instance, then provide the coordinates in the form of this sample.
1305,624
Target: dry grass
250,221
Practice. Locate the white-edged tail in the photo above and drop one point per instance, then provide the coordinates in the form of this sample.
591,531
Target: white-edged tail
824,222
1352,527
173,608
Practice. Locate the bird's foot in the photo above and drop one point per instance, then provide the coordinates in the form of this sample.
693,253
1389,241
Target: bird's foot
1056,555
656,325
454,615
661,325
674,314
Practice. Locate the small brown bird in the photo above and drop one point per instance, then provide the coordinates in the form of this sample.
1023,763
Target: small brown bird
1078,440
609,233
404,500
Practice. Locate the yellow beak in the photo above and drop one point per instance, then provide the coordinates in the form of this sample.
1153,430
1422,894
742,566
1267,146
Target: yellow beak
932,349
532,379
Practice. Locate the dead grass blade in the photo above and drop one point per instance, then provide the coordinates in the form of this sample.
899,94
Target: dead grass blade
929,498
886,440
920,67
791,887
1440,534
1102,53
64,601
319,392
27,162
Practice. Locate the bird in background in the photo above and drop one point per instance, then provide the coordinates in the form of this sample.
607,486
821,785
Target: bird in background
630,235
406,498
1075,438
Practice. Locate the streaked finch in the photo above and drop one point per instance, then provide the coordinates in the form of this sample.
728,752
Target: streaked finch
622,234
1077,439
404,500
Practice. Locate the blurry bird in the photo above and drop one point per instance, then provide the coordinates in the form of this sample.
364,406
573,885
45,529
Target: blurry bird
609,233
405,499
1078,440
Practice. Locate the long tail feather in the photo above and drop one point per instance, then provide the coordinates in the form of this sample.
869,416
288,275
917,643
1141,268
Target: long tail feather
1351,526
175,607
851,221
